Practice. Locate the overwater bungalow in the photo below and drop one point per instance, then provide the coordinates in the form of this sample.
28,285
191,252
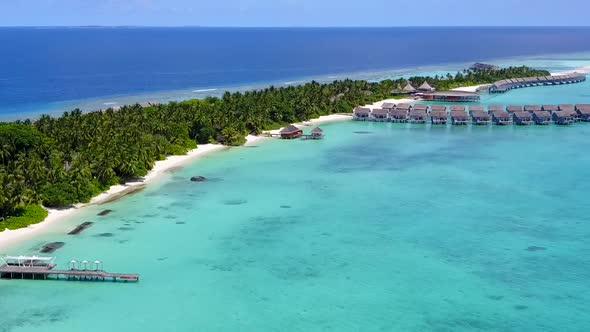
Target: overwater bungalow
479,117
515,83
572,113
388,106
420,107
476,108
514,108
501,118
542,117
532,108
316,133
461,108
494,108
290,132
522,118
562,118
379,115
405,107
399,115
566,107
361,113
425,87
459,117
551,108
583,111
451,96
438,114
417,116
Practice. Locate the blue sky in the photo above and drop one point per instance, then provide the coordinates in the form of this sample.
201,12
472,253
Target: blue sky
294,12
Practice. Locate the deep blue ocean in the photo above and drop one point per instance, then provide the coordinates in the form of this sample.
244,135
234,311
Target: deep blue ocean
43,67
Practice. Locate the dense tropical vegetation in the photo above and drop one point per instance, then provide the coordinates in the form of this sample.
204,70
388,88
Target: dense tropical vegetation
60,161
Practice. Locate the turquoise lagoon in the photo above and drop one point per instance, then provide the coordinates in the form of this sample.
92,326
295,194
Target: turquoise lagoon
379,227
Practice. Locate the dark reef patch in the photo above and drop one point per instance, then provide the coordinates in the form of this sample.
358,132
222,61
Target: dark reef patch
535,248
180,222
125,228
362,132
520,307
104,212
234,202
51,247
80,228
285,206
105,235
495,297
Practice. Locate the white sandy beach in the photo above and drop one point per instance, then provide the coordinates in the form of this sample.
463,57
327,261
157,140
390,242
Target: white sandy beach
10,237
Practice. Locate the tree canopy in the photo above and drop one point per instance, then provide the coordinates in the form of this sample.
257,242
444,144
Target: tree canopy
58,161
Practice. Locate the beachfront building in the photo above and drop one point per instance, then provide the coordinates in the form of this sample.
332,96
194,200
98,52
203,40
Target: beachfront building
563,118
379,115
501,118
459,116
451,96
290,132
515,83
513,109
583,111
408,89
425,87
542,117
361,113
522,118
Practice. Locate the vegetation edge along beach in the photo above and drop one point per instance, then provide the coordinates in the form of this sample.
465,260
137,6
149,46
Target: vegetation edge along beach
59,162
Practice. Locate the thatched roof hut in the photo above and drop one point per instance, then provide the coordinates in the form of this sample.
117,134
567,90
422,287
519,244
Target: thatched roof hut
425,87
409,88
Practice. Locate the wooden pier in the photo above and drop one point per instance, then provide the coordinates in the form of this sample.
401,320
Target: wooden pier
42,268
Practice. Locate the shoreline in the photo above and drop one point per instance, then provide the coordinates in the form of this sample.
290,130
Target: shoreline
9,238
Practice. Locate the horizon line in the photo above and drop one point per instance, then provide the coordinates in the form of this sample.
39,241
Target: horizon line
294,26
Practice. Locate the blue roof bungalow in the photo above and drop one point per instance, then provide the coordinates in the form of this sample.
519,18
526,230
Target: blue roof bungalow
379,115
522,118
563,118
542,117
361,113
583,111
501,118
